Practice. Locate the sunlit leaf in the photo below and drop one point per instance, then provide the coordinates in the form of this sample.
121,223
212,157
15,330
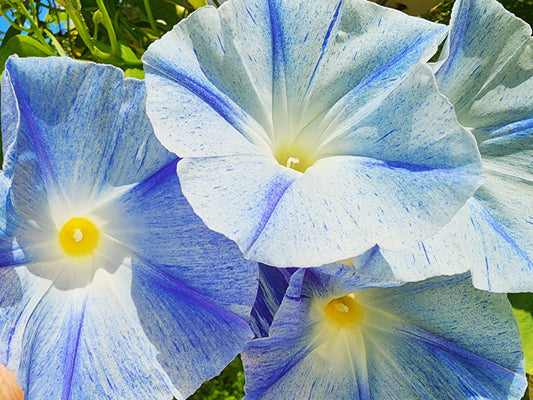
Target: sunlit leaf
198,3
128,55
134,73
523,310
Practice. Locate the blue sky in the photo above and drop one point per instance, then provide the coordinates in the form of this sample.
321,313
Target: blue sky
3,25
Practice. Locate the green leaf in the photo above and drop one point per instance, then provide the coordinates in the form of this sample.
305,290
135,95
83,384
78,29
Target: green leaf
57,16
128,55
24,46
9,34
161,10
134,73
198,3
523,309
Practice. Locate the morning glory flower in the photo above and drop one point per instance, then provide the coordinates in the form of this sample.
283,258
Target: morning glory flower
338,335
310,130
486,71
110,286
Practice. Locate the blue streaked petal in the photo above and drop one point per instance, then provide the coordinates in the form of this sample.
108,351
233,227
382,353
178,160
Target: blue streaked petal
210,184
440,338
10,253
483,37
313,78
489,236
288,219
20,292
189,126
419,130
238,50
10,123
273,283
503,222
486,72
195,337
30,222
135,370
147,314
178,242
323,216
162,327
92,98
334,54
82,325
57,318
304,372
506,100
137,153
265,43
193,81
63,102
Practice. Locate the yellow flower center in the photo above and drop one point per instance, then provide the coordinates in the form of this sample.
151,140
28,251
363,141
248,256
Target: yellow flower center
79,237
344,311
294,156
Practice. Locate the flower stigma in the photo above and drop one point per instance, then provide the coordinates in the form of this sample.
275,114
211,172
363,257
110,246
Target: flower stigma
294,157
344,311
79,237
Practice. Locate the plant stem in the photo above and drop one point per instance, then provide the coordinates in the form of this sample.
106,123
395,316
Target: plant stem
108,24
150,15
77,18
60,50
36,30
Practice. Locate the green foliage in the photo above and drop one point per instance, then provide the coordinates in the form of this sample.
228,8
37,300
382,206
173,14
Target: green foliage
227,386
521,8
523,310
106,31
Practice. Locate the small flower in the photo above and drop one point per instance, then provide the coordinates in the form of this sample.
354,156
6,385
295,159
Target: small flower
110,286
310,130
486,71
337,335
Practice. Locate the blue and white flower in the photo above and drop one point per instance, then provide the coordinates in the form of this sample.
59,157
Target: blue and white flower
486,70
110,286
310,130
338,335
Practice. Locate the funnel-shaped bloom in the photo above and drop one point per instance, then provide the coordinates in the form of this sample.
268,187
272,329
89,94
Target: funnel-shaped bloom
486,71
309,129
339,336
110,286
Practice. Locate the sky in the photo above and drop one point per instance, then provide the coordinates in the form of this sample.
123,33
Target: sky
4,26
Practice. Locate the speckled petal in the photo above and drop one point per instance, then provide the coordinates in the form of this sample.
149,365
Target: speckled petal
313,78
486,71
440,338
483,38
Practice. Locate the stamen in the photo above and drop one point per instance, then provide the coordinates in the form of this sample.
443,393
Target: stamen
344,311
77,235
292,161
